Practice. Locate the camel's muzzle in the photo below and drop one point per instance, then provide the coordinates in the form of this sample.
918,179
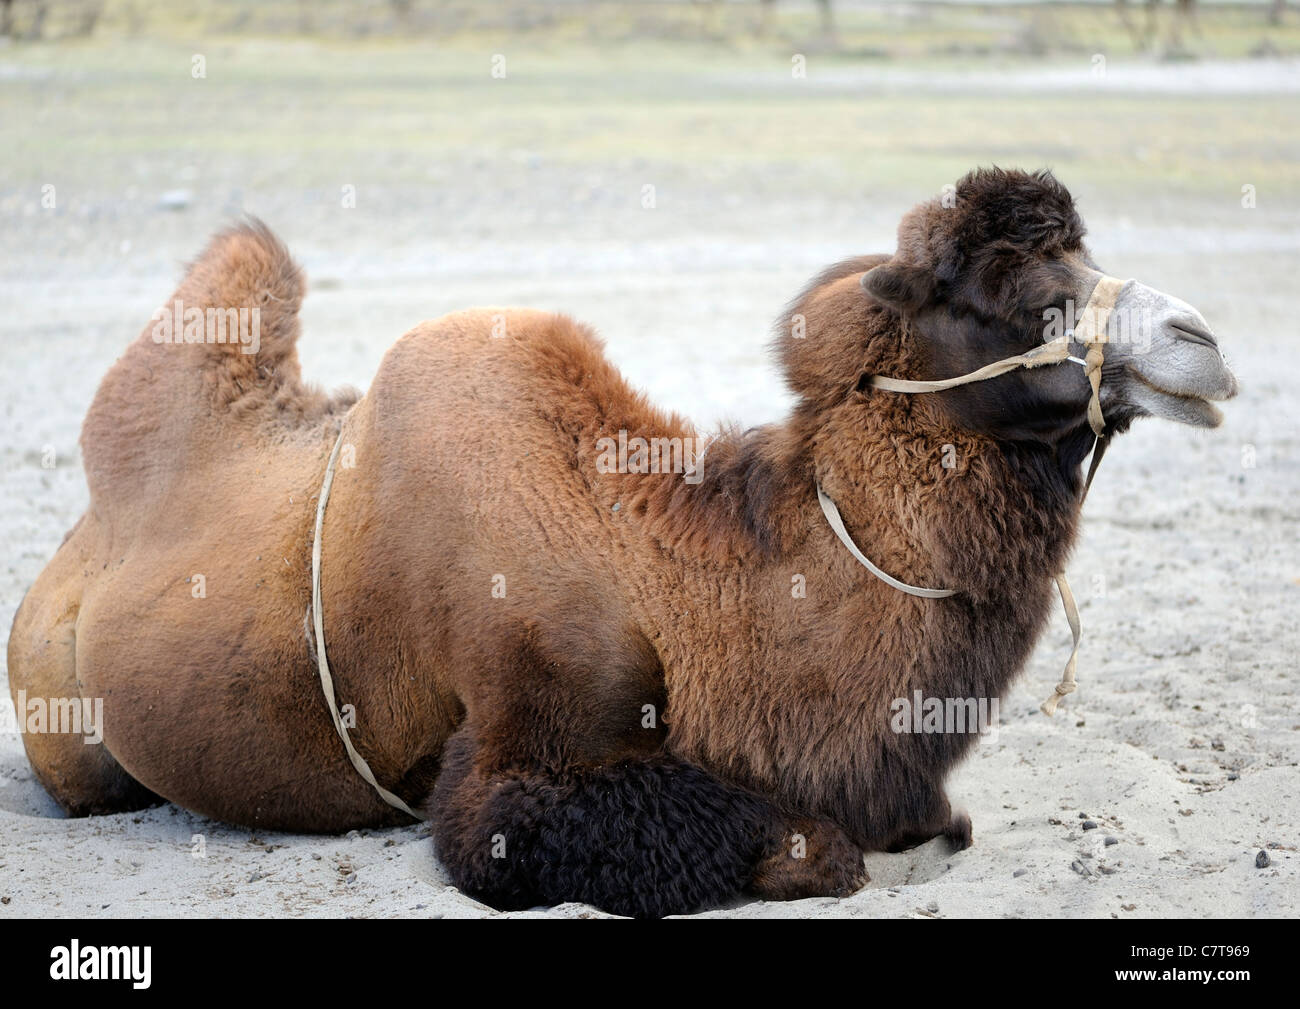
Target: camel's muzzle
1164,361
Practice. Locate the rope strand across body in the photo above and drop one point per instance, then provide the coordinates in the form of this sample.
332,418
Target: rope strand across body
318,625
1091,330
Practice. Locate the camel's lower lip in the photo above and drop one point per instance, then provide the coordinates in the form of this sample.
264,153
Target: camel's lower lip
1185,407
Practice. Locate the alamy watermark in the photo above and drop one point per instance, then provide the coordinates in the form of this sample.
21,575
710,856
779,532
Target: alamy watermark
75,962
652,455
82,716
179,324
1130,327
947,715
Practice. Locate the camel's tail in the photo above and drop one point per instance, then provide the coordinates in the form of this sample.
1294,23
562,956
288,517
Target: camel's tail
239,299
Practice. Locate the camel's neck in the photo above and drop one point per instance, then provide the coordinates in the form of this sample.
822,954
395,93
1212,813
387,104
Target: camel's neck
829,647
945,509
930,505
741,507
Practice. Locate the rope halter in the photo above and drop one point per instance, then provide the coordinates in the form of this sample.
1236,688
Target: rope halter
1091,330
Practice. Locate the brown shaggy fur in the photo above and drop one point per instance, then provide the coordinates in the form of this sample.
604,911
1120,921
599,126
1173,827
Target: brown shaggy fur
475,457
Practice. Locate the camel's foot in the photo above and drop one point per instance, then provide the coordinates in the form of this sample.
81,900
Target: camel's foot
958,831
940,821
810,858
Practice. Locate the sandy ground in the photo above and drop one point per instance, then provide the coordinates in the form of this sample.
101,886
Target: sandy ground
1182,743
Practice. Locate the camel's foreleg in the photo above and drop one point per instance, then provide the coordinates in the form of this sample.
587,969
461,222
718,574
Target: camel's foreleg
647,836
938,820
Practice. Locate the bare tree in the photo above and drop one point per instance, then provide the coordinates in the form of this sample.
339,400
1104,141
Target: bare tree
1144,37
765,17
828,20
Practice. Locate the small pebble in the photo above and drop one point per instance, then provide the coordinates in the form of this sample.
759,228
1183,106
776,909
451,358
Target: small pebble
255,877
1089,825
933,907
1233,777
175,199
1111,840
316,855
351,878
1019,872
1262,861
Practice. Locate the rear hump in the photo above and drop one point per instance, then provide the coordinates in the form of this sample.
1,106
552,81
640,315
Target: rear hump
240,296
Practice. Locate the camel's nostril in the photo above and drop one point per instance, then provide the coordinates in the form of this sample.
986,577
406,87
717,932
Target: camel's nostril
1193,333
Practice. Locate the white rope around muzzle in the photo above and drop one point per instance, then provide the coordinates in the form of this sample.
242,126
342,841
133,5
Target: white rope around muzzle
1091,330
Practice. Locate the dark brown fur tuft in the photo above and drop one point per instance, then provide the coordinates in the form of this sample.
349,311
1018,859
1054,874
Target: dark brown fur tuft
999,223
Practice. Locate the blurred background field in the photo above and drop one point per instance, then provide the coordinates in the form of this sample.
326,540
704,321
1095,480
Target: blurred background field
576,154
853,28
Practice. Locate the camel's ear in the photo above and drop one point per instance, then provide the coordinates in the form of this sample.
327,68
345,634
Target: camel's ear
903,287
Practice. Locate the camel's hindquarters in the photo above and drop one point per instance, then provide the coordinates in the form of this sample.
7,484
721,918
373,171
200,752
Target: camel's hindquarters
62,730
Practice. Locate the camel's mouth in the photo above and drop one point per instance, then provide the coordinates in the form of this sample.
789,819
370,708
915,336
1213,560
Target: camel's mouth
1191,409
1170,365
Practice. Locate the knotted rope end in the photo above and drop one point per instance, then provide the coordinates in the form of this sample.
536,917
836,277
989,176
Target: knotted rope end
1048,707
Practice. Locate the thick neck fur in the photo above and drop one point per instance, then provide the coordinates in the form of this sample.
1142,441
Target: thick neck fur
810,687
808,692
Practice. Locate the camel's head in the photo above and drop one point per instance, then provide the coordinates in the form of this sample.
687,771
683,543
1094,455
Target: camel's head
997,266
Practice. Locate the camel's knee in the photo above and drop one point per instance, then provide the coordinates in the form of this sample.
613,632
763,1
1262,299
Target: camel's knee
639,837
